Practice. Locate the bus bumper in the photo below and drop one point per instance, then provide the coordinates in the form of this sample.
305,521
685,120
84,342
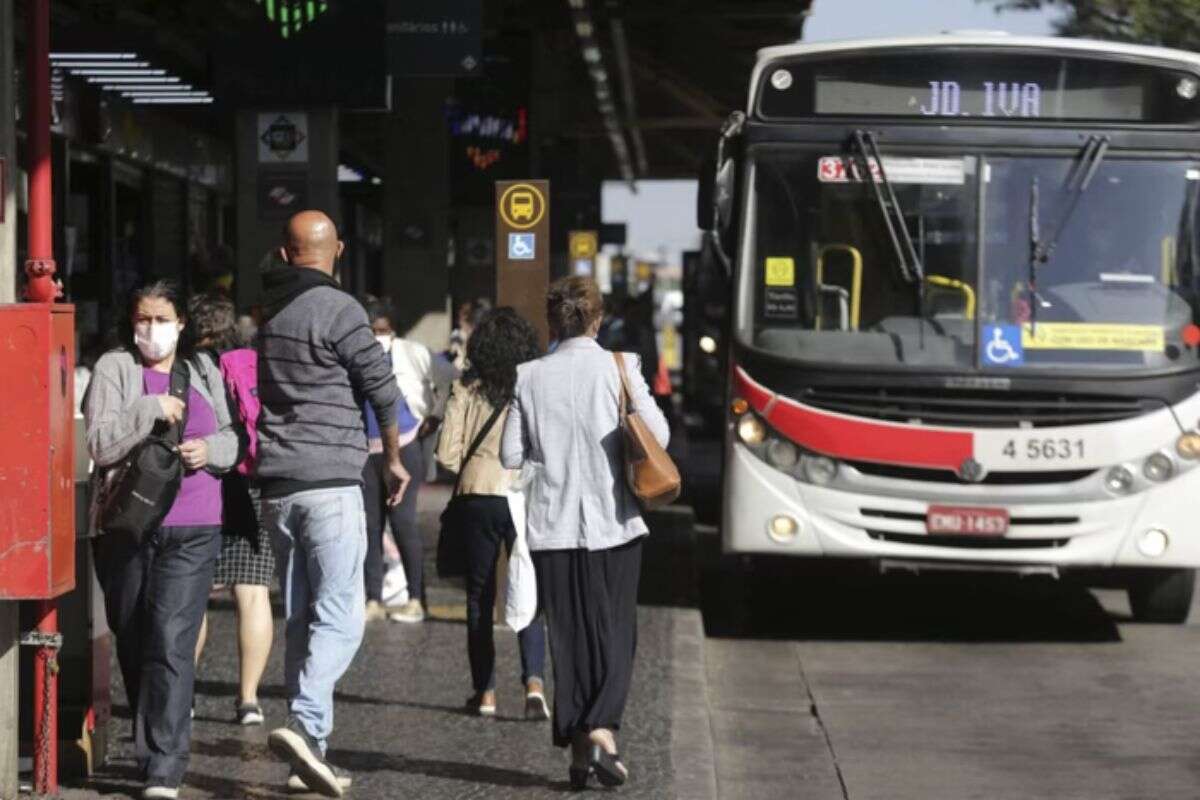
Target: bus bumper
881,521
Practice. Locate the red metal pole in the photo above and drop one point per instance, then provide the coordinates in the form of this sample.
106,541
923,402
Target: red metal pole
42,288
45,703
40,267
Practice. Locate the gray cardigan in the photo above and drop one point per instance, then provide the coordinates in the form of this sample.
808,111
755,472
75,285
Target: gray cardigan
117,415
564,426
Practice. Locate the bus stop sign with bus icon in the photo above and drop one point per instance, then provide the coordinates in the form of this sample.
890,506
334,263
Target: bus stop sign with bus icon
523,248
522,206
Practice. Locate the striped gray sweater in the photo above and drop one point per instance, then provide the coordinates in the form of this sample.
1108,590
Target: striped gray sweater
317,361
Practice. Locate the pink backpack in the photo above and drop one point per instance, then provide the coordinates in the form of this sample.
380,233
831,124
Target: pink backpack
240,370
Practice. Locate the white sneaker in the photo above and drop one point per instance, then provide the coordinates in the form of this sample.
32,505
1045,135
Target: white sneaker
296,784
410,612
160,793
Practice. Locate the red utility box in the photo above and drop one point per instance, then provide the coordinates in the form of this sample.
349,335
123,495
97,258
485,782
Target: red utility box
37,451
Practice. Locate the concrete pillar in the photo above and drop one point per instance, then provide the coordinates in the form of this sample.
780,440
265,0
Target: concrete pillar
273,184
417,210
9,628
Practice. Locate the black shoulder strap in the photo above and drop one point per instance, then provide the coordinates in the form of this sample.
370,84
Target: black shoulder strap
181,381
475,444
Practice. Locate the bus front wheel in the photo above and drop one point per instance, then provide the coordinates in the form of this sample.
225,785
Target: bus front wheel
1162,595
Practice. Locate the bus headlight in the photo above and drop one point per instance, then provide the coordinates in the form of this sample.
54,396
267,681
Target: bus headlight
783,528
1153,543
1119,480
1158,467
751,430
1188,446
820,470
782,454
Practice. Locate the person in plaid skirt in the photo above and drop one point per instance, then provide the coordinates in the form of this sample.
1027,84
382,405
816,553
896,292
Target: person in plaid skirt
247,562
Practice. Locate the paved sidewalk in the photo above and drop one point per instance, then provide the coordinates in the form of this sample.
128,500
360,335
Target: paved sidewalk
401,728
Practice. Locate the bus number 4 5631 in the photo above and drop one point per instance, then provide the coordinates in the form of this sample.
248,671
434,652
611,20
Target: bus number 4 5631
1045,449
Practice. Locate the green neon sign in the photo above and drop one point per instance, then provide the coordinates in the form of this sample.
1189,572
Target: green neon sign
292,15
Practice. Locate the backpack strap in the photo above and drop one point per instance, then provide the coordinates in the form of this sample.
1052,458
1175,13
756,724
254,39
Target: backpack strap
181,381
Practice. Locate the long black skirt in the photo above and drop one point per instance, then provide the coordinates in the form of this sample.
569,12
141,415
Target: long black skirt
589,599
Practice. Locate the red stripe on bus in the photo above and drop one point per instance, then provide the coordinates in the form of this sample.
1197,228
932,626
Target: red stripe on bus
858,440
757,395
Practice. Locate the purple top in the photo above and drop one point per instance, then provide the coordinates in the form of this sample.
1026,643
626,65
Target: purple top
199,498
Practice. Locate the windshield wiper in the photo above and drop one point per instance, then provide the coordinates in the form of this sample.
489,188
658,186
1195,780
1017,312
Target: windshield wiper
907,260
1040,251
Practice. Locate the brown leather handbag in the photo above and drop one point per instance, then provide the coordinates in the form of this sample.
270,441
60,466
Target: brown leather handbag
651,474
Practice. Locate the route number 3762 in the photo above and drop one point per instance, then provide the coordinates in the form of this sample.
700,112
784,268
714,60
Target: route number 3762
1044,449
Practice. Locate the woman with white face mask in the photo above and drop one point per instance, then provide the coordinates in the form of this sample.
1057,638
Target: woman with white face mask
156,586
424,380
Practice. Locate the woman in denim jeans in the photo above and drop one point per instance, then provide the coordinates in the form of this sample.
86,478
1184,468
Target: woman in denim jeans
500,342
156,586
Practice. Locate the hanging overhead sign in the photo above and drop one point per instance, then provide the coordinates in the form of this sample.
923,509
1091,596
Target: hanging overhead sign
435,37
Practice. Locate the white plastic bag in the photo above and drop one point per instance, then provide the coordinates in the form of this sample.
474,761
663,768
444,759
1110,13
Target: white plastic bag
395,585
520,602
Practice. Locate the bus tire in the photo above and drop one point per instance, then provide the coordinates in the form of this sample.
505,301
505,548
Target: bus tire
1162,595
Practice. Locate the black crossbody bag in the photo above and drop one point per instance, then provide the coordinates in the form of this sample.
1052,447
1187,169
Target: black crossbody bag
452,549
147,481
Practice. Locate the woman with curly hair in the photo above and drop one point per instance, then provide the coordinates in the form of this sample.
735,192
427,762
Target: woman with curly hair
477,408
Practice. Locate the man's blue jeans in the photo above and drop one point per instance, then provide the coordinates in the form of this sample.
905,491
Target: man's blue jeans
320,540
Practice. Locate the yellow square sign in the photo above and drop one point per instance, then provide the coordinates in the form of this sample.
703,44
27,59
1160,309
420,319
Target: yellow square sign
781,272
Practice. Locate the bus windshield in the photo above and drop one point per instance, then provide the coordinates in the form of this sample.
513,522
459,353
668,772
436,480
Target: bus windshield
1116,288
827,283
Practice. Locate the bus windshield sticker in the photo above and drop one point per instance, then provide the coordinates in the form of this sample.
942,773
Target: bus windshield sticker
1093,336
926,171
781,304
781,271
1002,346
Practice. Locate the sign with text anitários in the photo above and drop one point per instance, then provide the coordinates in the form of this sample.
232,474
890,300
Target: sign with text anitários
435,37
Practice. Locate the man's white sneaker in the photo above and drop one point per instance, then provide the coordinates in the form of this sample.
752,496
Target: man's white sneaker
296,784
293,744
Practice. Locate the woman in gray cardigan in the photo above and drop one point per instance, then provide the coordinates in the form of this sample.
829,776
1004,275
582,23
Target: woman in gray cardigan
583,524
156,586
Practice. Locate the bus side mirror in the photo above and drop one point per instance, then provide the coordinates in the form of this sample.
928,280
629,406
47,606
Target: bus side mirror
705,191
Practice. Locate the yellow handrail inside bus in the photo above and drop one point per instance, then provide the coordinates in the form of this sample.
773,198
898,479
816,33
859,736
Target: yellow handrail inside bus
1170,273
856,270
962,288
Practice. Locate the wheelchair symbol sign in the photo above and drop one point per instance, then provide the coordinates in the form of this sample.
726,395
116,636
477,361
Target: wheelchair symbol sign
1002,346
522,246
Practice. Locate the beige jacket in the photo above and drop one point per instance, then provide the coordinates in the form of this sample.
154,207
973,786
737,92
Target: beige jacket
466,412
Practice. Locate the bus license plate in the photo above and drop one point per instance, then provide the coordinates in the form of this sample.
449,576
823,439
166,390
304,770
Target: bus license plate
967,521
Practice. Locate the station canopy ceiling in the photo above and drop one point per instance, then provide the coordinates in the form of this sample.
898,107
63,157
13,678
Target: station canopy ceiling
673,69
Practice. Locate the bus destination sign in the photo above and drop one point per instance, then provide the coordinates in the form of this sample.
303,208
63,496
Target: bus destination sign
987,87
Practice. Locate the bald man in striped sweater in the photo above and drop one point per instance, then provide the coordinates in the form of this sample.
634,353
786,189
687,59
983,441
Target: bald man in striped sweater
317,362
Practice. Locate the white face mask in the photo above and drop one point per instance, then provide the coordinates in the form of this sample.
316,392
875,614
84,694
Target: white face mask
385,341
156,340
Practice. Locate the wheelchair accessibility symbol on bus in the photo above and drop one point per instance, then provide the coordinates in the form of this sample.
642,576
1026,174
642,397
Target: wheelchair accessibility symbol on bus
1002,346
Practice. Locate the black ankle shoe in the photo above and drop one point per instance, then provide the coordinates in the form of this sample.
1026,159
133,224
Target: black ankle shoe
607,766
579,777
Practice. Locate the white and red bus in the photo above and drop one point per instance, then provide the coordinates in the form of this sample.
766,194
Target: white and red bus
965,275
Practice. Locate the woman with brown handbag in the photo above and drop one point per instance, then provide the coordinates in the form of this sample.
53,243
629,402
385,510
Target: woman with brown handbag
584,524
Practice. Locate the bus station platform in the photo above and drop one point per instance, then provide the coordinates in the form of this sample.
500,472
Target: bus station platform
402,729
